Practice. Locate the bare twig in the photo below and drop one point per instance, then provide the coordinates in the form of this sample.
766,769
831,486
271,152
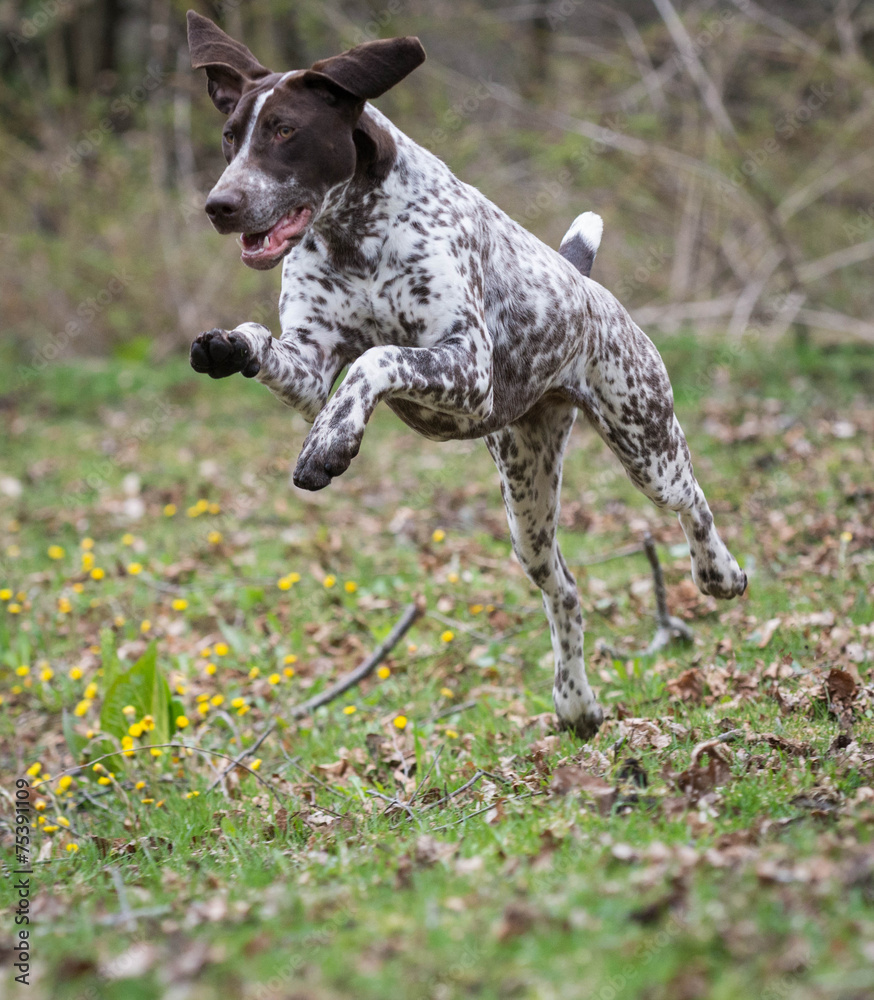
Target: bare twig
667,626
424,780
242,756
413,612
452,709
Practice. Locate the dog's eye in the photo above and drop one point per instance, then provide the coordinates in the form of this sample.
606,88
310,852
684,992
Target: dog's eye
229,138
284,131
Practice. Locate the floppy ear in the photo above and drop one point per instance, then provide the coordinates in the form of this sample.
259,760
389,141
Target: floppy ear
370,69
230,66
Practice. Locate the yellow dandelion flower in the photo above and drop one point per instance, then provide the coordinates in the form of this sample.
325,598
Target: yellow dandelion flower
13,609
192,795
242,709
62,821
51,828
5,594
72,848
201,697
82,707
127,538
203,707
156,752
383,673
238,702
23,670
453,578
209,668
169,509
182,721
437,535
87,560
329,581
87,544
97,573
222,649
78,588
34,769
76,674
350,710
56,552
217,699
291,658
181,689
256,763
98,767
104,780
136,730
846,536
447,636
283,583
293,578
274,679
147,802
64,782
91,690
134,568
64,605
148,723
118,621
180,604
140,785
145,625
412,647
16,689
254,673
475,609
452,734
447,692
128,710
350,586
214,537
400,722
288,671
46,674
39,805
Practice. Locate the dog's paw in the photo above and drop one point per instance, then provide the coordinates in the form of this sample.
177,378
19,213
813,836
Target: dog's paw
219,354
324,458
585,725
716,573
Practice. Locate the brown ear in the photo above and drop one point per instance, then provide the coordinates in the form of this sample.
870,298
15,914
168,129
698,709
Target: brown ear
372,68
230,66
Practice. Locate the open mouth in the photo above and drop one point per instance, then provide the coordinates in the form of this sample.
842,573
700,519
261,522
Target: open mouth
263,250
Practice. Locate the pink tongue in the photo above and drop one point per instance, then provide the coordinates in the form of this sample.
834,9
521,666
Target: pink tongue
287,228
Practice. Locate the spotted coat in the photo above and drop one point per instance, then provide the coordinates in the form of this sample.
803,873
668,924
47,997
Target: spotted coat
441,306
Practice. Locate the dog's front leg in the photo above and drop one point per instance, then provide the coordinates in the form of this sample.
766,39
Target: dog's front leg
453,379
294,369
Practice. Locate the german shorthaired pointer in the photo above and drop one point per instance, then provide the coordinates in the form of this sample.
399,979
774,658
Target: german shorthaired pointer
466,325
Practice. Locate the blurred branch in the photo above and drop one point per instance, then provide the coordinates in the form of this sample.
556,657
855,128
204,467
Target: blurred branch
815,269
706,87
838,322
840,172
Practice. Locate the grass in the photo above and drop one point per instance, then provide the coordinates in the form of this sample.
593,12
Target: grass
629,867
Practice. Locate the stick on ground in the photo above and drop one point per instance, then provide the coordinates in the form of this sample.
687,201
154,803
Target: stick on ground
410,615
667,626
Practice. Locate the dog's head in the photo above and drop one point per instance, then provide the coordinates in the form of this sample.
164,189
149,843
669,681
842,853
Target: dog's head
289,137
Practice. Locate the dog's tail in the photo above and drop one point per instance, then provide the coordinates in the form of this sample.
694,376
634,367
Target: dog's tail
581,241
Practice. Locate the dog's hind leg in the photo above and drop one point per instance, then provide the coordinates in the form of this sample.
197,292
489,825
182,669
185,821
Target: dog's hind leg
528,455
626,394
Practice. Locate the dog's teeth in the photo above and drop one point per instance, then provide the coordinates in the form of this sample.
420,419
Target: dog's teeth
266,242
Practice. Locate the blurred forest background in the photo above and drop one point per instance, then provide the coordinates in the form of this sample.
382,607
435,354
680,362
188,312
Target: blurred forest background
729,145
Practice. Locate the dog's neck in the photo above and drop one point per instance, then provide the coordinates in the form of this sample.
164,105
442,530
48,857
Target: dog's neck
351,224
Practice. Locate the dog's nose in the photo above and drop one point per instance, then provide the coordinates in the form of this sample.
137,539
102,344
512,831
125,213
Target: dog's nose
222,206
